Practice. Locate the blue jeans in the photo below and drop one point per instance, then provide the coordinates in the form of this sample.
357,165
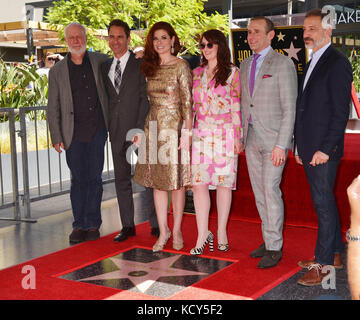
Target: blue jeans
321,179
86,163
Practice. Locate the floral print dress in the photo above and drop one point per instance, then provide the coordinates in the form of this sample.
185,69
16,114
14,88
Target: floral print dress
217,125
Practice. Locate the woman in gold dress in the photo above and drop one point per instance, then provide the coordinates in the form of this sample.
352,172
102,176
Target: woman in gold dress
164,156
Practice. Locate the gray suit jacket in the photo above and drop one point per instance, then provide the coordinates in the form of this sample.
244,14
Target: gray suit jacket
273,103
129,108
60,112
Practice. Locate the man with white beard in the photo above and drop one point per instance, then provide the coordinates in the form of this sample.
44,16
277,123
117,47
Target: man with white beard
77,118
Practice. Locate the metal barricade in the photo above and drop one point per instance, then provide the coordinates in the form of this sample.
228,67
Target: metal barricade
9,113
43,172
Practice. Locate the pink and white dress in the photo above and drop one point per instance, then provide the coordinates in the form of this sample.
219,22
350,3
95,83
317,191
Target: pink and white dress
217,125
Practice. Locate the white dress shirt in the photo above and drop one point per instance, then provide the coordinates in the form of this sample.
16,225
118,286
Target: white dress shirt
123,61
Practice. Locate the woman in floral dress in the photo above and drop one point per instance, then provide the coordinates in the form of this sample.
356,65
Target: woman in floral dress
217,136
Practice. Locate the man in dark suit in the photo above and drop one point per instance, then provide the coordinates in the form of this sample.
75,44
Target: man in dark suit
128,106
322,113
77,120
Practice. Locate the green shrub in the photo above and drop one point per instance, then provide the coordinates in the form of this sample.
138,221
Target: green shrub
21,86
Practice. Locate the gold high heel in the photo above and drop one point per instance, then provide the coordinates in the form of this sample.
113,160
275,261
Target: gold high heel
160,246
178,245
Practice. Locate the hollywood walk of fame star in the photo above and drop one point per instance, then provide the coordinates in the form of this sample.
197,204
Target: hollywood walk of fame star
281,36
292,51
143,275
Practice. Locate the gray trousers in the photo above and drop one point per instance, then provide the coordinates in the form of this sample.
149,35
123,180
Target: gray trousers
265,181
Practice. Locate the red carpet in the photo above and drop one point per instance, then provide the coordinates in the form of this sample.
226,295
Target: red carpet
240,280
299,210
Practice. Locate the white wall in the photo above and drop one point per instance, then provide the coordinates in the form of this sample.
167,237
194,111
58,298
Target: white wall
14,10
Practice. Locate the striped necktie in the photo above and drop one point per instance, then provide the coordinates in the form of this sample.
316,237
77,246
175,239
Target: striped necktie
117,77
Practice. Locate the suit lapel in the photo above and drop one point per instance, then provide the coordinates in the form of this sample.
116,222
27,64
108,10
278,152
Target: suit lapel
107,67
64,75
319,64
95,68
126,72
301,84
263,70
106,77
106,70
246,76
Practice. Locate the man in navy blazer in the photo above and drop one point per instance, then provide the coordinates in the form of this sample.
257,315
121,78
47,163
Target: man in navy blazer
322,112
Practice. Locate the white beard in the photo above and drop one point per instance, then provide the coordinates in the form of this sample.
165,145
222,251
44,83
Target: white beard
315,44
78,51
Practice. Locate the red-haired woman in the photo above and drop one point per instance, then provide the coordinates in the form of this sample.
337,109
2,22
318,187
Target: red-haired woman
164,156
217,136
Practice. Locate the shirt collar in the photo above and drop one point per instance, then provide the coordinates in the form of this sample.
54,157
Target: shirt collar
123,58
264,52
85,58
316,55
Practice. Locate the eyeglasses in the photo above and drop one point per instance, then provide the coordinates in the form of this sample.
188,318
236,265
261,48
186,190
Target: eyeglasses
209,45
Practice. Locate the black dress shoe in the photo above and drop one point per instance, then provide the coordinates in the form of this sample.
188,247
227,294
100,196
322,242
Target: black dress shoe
92,234
125,233
155,231
77,236
259,252
270,259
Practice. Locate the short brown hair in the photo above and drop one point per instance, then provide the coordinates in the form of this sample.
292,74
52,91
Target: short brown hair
122,24
269,24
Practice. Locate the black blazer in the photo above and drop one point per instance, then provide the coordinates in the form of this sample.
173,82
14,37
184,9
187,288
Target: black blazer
128,109
322,108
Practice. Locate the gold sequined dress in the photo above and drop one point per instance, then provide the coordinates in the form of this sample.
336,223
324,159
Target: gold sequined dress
160,164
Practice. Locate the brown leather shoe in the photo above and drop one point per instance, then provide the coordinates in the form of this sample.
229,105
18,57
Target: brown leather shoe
77,236
314,276
337,262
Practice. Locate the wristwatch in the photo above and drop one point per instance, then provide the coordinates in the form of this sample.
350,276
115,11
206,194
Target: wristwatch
349,237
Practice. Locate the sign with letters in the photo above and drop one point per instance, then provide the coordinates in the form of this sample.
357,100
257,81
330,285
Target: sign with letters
287,41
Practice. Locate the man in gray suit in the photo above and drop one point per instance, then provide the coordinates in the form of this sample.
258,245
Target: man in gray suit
77,120
268,102
128,106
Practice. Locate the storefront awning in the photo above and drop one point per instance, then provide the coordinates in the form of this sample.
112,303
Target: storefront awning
43,34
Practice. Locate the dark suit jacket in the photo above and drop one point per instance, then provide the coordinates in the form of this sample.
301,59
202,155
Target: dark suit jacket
128,109
322,108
